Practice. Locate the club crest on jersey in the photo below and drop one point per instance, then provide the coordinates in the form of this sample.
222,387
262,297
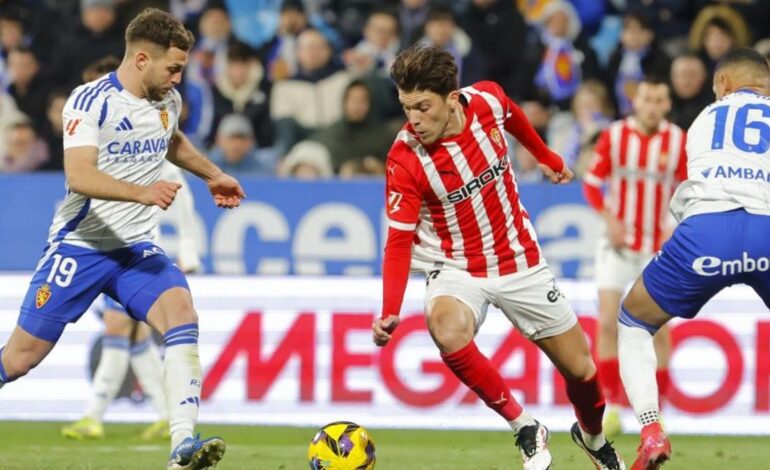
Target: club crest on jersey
663,160
164,117
494,136
42,295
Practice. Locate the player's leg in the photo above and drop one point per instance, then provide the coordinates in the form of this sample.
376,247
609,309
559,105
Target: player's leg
607,359
640,319
22,353
533,302
157,292
452,324
148,368
110,372
662,343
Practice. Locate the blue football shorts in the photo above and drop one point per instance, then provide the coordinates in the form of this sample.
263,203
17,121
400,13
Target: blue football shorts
68,278
707,253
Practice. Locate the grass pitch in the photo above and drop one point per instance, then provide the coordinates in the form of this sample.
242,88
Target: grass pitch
35,446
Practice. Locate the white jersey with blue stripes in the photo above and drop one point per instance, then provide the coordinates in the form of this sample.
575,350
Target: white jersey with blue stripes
132,136
728,158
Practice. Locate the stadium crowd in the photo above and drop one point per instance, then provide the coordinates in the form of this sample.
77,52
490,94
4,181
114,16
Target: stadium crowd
302,89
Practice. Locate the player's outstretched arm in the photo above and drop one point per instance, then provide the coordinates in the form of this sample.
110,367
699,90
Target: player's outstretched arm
225,189
85,178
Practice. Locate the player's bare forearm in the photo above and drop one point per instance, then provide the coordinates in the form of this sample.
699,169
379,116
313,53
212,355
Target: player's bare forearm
183,154
83,177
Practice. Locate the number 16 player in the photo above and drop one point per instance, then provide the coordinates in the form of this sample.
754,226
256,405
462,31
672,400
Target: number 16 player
721,240
118,131
454,213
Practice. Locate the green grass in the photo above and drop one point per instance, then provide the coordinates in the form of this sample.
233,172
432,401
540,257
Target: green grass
33,446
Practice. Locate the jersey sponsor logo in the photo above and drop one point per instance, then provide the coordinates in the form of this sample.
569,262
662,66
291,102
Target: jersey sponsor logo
394,201
137,147
71,126
42,295
164,117
744,173
486,177
712,266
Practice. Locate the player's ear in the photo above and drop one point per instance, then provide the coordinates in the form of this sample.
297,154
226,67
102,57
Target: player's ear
141,60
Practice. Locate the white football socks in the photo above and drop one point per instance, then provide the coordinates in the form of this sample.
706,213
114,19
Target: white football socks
523,420
182,380
148,368
638,363
109,375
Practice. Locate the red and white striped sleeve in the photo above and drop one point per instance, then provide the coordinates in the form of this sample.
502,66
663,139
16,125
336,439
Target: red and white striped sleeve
599,169
403,199
680,173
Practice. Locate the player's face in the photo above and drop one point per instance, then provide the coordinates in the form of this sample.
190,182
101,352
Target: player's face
164,72
651,104
428,113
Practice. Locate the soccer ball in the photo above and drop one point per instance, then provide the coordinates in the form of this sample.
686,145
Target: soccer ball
341,446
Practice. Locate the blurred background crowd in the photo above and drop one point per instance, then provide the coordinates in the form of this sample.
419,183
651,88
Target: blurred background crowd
301,88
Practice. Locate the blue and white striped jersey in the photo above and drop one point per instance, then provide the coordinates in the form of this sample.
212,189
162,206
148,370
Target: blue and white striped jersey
132,136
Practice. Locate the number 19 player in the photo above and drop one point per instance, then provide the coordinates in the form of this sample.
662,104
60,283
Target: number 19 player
119,130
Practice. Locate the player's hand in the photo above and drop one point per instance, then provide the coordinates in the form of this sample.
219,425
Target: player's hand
226,190
615,231
563,177
382,329
160,193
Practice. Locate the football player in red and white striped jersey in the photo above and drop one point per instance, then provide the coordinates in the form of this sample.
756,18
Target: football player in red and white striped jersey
643,159
455,215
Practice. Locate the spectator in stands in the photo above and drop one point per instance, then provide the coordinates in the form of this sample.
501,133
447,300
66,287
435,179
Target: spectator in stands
95,37
637,56
375,53
312,99
52,130
671,19
691,90
358,136
441,31
496,28
716,30
307,160
9,115
24,151
208,58
280,54
573,134
243,88
28,87
411,18
235,150
11,37
559,59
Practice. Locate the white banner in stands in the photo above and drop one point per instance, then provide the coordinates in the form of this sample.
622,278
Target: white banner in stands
299,351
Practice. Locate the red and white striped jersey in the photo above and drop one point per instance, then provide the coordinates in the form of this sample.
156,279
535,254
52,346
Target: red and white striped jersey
459,194
643,172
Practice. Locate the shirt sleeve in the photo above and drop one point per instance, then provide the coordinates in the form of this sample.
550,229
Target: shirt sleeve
403,197
403,201
517,124
601,163
81,119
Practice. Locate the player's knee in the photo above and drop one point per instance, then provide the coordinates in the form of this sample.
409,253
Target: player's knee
581,369
449,330
182,316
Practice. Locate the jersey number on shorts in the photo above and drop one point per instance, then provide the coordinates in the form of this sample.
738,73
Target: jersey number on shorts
760,127
62,271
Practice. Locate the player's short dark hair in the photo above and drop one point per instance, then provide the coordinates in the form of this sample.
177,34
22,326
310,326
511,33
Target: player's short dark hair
743,56
160,28
239,51
425,68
